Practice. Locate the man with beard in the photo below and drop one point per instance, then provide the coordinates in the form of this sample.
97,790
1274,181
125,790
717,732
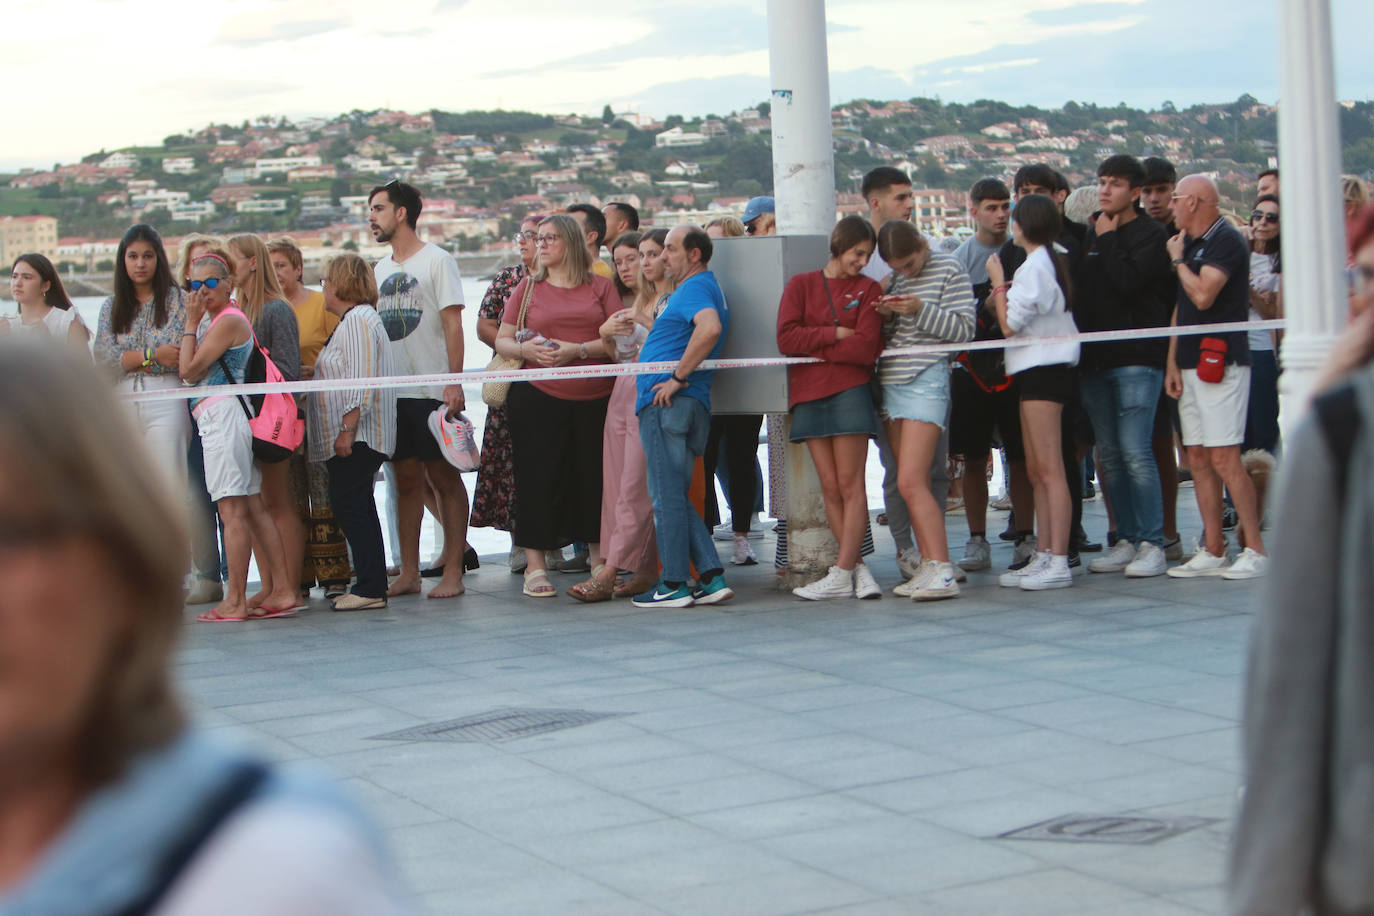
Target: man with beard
421,306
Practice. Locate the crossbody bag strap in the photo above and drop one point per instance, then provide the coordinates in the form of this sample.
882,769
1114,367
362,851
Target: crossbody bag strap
224,367
834,315
525,304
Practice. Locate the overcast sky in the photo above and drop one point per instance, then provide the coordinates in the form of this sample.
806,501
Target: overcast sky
108,73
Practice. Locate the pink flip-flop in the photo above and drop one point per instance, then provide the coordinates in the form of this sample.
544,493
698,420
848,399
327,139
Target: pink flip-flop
272,613
213,617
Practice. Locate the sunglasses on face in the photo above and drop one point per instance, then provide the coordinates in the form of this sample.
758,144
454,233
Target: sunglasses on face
211,283
1260,216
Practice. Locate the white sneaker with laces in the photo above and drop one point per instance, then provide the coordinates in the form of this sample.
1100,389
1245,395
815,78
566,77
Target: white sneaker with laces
838,583
939,583
1012,578
908,562
1251,564
1149,561
1025,549
908,588
1117,559
1202,563
726,529
865,586
744,554
977,554
1053,572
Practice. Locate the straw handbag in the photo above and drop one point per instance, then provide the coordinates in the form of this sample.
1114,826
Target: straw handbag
494,393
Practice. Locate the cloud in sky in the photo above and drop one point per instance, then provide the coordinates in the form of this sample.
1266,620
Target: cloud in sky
225,62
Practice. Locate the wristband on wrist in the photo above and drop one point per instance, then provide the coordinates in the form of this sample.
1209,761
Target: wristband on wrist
1001,289
1177,261
681,381
582,349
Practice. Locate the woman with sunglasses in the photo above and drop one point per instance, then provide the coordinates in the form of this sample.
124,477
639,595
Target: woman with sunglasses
43,304
216,353
557,425
493,497
1262,417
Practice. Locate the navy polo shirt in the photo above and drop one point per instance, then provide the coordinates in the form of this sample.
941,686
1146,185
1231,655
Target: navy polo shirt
1224,248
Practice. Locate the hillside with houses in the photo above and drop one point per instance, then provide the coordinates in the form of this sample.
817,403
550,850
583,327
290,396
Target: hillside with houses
481,170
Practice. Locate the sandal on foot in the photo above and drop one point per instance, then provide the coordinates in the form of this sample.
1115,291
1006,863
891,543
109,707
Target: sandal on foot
592,590
537,584
633,587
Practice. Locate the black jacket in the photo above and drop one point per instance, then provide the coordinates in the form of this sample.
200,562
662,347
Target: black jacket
1123,281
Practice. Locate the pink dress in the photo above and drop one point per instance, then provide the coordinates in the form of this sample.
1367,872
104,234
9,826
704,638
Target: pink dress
627,515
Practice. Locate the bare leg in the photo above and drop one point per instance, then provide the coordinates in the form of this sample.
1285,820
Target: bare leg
915,453
237,547
1207,488
1041,432
453,515
276,495
285,591
975,492
410,508
1227,464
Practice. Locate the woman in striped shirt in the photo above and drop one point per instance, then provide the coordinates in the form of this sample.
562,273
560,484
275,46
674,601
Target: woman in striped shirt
353,430
929,299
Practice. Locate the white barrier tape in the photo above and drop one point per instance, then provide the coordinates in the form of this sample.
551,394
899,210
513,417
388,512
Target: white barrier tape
604,370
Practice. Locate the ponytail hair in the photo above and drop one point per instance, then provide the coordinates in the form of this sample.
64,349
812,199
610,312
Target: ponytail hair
1041,224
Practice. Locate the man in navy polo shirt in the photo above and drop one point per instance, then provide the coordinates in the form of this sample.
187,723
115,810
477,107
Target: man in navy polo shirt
1212,263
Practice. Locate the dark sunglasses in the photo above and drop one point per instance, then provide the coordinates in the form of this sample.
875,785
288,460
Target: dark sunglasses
1262,216
211,283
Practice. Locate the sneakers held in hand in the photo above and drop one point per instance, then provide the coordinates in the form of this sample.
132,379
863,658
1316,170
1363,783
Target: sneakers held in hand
1116,559
837,583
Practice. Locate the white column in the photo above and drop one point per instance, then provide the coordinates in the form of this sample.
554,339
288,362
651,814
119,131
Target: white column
804,193
1314,294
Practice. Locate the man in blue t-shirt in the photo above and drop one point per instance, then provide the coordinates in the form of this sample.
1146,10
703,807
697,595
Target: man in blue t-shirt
674,412
1212,262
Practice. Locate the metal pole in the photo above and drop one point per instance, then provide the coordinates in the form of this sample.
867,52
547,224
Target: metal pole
1314,295
804,193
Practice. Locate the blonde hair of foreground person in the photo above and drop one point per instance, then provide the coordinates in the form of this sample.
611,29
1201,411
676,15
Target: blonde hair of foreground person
96,480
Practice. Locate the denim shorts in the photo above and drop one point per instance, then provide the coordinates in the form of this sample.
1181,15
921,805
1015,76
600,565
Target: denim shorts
846,413
924,398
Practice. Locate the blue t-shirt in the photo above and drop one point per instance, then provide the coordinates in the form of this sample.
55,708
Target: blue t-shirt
673,329
1224,248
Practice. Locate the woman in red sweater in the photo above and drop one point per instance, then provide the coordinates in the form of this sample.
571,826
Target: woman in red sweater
830,314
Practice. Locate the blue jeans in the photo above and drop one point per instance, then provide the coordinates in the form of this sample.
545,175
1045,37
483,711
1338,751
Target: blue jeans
1262,418
1121,405
673,437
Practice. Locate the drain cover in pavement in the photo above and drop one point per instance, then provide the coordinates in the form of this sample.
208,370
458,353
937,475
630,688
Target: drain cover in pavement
1106,828
498,725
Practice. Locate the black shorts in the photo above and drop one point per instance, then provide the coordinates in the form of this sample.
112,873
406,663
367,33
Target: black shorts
1166,418
976,415
1046,383
413,438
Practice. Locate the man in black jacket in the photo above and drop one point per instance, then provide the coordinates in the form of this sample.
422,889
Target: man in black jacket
1121,285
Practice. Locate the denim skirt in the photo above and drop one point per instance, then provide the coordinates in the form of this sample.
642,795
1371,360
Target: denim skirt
846,413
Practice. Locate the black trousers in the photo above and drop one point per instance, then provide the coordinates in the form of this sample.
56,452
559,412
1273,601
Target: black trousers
741,434
557,449
355,509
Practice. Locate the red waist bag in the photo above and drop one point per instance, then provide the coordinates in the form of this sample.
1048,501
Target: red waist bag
1211,363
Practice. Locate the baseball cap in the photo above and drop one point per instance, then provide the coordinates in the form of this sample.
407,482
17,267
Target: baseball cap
756,208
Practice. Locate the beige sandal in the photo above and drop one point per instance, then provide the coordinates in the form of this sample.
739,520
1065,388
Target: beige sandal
532,590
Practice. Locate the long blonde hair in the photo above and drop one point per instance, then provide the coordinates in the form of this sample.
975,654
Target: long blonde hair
575,257
262,287
648,294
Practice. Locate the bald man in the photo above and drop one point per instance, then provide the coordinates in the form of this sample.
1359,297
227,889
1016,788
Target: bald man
1210,375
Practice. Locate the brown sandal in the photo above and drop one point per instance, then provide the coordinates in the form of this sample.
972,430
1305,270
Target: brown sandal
633,587
590,591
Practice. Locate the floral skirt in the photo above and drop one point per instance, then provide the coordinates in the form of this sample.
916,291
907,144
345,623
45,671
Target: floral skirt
326,550
493,499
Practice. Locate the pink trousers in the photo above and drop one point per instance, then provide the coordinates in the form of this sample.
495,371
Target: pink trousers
627,515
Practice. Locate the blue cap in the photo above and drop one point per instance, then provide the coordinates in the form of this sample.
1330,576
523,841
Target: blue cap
756,208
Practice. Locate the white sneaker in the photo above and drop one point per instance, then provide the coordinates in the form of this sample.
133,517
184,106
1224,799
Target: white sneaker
1117,559
726,529
204,591
744,554
1149,561
865,586
1201,563
1012,578
1173,550
1053,572
908,588
1025,549
908,562
1250,564
977,554
938,583
838,583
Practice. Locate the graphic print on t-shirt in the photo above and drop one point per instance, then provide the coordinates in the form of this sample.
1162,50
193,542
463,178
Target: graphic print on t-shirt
399,305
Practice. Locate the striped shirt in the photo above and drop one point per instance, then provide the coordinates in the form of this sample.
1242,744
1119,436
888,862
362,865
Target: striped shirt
358,348
946,315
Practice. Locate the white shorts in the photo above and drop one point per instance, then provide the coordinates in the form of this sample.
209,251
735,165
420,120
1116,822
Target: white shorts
228,445
1213,414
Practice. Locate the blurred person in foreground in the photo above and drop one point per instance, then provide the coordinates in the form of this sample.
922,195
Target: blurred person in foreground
112,803
1304,841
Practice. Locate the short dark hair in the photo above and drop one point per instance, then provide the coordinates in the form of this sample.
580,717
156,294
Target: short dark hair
401,194
56,296
1060,182
1122,165
1267,172
628,211
850,231
696,238
882,178
988,189
596,220
1038,174
1159,171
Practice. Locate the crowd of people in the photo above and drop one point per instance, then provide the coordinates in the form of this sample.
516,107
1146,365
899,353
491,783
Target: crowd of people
607,464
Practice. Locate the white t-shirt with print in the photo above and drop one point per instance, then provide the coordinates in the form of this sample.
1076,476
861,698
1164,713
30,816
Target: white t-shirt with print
413,292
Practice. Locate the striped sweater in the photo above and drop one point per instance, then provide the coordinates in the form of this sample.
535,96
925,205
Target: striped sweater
946,315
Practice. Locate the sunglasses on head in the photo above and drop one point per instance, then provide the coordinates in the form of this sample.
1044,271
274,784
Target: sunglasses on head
210,283
1262,216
